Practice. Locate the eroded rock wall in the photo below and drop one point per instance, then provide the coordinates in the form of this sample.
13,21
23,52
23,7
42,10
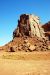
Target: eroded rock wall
29,25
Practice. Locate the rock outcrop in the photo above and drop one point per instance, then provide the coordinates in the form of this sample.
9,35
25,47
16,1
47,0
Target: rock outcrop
29,25
46,28
28,36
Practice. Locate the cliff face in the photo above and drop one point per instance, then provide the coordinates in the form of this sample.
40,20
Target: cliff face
23,27
46,28
28,25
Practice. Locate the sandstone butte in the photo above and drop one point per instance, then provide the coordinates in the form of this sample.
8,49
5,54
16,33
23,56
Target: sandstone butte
29,35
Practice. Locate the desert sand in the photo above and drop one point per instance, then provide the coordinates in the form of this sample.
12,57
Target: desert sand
25,63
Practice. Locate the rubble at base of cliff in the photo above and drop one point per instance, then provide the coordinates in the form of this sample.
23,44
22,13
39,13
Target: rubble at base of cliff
29,44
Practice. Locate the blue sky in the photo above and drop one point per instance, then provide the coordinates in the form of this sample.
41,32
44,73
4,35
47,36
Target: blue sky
10,11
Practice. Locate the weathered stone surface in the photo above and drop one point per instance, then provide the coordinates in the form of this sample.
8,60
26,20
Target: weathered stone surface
12,49
20,48
28,44
29,25
32,48
49,47
26,41
46,28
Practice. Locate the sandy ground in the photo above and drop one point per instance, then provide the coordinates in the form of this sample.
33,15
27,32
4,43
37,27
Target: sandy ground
39,65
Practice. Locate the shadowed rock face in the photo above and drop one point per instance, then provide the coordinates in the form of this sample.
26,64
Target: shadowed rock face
23,27
46,26
47,29
23,24
28,25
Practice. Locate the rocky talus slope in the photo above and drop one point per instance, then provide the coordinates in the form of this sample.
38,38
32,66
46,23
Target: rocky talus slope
27,44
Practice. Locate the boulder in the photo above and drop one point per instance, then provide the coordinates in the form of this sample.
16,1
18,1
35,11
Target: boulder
20,48
32,48
26,41
28,44
13,49
48,47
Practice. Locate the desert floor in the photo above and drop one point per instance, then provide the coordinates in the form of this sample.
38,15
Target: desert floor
25,63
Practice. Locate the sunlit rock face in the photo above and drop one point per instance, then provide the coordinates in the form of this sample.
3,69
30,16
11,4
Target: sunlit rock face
28,25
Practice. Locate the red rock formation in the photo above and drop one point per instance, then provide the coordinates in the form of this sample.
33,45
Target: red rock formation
28,25
47,29
23,26
46,26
